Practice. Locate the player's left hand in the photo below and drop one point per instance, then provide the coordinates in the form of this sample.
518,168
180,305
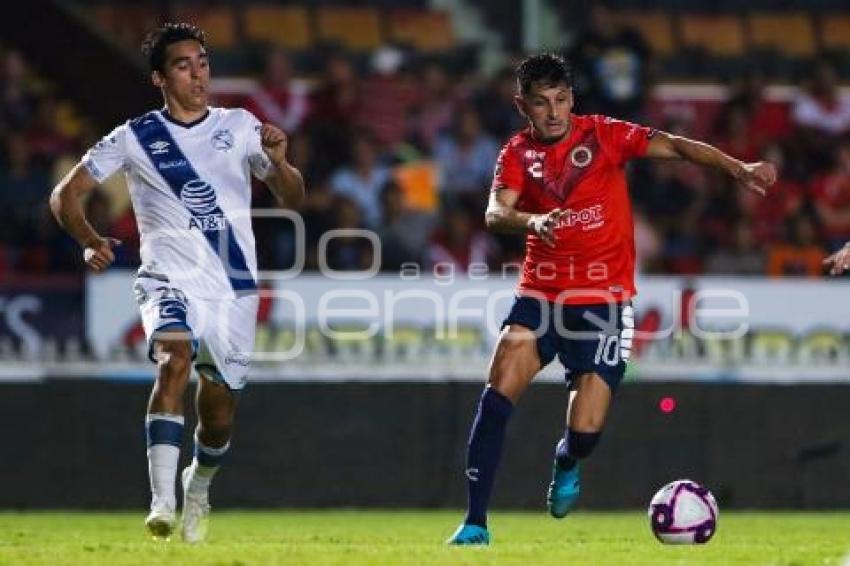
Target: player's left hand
274,142
757,176
839,262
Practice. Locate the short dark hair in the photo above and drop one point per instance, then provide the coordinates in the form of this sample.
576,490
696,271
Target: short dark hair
546,68
157,41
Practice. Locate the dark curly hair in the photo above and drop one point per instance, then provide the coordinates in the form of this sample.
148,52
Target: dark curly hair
546,68
157,41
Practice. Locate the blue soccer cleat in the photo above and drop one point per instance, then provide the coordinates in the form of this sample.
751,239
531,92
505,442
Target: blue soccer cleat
469,535
563,491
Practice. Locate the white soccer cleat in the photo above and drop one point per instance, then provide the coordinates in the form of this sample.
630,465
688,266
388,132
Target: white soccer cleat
196,511
160,522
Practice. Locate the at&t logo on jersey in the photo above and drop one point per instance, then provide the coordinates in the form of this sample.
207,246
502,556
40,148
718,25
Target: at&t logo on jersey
588,218
199,197
208,223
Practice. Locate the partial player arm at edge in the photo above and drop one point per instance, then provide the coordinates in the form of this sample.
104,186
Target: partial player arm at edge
754,176
67,207
839,262
503,217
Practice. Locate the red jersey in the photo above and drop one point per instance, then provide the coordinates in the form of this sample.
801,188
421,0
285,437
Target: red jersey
594,255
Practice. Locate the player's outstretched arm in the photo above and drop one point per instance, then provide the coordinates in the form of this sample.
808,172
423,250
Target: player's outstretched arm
839,262
66,205
285,181
753,176
503,217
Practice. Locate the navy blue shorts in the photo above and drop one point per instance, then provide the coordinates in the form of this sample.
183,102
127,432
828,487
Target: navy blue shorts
586,338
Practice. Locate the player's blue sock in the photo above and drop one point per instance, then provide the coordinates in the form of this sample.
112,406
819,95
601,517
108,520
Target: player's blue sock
576,445
162,428
164,434
208,456
205,464
484,451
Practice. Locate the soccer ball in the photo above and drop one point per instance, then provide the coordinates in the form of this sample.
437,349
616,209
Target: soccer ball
683,512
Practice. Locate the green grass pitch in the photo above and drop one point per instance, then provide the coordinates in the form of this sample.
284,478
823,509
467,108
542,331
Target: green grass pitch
352,537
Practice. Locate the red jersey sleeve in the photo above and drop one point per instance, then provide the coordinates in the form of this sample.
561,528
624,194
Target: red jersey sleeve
508,172
623,140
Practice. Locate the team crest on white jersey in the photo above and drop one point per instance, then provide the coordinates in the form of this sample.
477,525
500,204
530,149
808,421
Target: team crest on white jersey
581,156
159,147
222,140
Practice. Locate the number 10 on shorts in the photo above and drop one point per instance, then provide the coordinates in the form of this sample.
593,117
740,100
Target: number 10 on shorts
608,350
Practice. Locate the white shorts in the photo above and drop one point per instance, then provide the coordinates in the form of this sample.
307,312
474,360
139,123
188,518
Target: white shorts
222,329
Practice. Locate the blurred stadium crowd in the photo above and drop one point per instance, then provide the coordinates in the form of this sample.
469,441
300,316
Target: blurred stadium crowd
402,142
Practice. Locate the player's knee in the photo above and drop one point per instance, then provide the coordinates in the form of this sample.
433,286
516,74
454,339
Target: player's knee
513,366
588,422
581,444
173,361
516,344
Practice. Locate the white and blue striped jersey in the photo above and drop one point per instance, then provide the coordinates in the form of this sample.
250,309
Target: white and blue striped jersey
190,185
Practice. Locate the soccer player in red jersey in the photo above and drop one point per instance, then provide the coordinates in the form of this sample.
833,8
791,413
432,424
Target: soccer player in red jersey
562,183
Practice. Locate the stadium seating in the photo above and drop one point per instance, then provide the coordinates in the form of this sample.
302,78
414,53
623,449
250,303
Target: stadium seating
127,23
357,28
217,21
718,34
655,26
789,33
424,30
835,31
284,26
705,38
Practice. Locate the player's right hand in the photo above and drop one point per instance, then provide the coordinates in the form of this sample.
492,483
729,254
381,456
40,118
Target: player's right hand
98,253
543,225
758,176
839,262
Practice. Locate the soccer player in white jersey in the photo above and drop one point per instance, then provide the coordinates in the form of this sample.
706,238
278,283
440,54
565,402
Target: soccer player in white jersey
188,168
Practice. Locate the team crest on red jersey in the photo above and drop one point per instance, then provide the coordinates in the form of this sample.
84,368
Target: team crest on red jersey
581,156
574,165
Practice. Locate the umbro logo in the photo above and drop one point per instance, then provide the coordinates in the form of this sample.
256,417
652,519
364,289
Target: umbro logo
159,147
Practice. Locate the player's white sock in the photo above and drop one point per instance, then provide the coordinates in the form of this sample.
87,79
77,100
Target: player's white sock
204,466
162,469
164,433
